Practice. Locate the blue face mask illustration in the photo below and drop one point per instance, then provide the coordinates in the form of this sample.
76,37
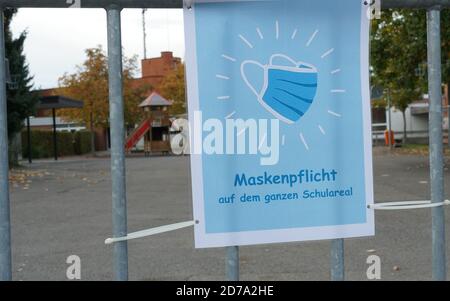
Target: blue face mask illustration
287,91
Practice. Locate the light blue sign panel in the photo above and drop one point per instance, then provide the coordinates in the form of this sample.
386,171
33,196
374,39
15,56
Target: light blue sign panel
295,75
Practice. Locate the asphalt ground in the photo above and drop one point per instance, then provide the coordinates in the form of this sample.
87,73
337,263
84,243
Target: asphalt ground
64,208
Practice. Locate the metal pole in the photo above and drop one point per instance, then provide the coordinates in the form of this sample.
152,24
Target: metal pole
144,27
447,97
5,222
30,159
116,117
436,142
232,263
337,260
55,140
390,117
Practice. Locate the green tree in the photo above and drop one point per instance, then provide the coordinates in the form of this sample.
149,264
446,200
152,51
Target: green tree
173,87
399,51
20,100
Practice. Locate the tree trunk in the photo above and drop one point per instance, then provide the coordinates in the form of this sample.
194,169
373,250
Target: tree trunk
13,157
405,137
15,149
92,135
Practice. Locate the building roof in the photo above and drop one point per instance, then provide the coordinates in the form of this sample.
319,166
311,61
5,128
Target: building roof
58,102
155,100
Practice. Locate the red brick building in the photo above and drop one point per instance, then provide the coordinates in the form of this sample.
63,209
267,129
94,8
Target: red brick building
155,69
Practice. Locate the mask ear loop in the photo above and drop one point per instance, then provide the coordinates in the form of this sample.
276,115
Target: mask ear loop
188,3
245,78
296,64
279,55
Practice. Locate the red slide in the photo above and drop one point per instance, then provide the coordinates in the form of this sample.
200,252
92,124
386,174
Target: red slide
137,134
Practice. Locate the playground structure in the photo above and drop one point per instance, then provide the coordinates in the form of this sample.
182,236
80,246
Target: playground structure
155,127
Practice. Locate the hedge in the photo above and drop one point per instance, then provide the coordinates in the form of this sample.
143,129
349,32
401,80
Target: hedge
69,144
82,143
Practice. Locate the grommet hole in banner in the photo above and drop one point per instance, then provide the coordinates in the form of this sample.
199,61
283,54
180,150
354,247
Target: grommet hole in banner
372,2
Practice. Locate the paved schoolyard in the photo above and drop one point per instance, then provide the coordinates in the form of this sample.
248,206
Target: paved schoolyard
64,208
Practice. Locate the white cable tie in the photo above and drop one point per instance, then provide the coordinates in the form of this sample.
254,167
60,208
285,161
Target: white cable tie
407,205
150,232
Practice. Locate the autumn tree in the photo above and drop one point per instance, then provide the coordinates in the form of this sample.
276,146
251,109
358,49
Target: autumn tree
90,84
173,87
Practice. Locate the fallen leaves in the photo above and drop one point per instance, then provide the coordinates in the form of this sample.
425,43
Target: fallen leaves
23,178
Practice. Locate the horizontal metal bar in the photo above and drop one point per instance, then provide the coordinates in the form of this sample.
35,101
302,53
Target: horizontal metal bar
179,3
414,3
93,3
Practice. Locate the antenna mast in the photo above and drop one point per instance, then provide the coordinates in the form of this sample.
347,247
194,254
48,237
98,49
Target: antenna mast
145,32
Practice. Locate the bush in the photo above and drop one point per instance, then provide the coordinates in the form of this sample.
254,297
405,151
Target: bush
82,142
69,144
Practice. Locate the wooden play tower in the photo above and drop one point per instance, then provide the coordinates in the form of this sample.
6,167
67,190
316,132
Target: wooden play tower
155,127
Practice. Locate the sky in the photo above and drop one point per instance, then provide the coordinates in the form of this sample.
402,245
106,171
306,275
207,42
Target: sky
57,38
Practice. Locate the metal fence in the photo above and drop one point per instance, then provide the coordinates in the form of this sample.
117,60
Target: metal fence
113,10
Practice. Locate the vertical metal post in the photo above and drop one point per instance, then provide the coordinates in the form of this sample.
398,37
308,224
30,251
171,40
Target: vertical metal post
5,222
436,142
337,260
232,264
390,117
30,158
116,117
55,140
